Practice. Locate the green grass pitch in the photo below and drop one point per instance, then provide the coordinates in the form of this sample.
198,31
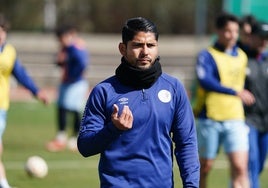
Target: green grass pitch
31,125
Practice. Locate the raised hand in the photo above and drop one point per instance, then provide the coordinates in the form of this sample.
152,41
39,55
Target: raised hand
123,121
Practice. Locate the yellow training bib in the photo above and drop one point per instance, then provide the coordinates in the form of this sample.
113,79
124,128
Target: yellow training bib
232,72
7,60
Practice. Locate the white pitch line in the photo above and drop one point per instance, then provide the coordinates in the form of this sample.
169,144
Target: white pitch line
75,164
62,164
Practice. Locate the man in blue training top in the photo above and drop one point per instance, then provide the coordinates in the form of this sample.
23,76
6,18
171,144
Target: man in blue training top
257,114
132,118
73,58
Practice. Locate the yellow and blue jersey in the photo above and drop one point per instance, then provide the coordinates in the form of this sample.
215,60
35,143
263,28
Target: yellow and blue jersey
10,65
7,60
222,75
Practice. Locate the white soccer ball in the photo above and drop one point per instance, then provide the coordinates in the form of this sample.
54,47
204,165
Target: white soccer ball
36,166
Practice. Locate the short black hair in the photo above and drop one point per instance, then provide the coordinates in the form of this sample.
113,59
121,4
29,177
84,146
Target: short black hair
224,18
247,19
134,25
4,22
65,28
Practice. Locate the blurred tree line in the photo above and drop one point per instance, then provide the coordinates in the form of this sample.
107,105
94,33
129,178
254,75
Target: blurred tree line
107,16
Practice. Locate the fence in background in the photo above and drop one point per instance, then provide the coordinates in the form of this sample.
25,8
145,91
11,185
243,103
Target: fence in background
37,53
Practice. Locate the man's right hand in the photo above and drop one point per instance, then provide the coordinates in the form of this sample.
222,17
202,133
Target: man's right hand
123,121
247,97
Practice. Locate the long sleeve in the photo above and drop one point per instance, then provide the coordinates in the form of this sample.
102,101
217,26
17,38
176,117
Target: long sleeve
95,135
184,137
77,62
23,77
147,148
208,75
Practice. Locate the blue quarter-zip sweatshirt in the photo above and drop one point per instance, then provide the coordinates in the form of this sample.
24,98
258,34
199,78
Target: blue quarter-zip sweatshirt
141,156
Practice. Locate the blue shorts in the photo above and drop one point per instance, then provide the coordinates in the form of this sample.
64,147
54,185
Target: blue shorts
233,134
3,117
73,96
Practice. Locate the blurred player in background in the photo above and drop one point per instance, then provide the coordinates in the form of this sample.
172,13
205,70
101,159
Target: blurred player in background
220,120
10,65
73,58
133,118
245,24
257,114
